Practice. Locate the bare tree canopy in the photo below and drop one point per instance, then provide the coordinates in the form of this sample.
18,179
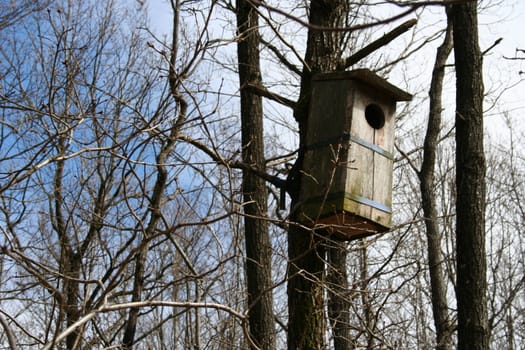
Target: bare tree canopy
152,162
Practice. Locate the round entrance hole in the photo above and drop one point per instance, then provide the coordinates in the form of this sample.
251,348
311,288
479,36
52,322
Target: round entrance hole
374,116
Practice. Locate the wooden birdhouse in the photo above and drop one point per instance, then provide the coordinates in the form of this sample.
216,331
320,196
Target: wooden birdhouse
346,186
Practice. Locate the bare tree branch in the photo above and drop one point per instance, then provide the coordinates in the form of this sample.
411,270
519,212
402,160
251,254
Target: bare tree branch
282,58
496,43
142,304
274,180
384,40
264,92
9,332
411,8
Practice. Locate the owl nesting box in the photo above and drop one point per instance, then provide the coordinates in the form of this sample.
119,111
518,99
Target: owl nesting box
346,185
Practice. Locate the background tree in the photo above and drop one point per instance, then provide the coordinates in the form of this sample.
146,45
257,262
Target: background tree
440,304
255,194
93,210
471,285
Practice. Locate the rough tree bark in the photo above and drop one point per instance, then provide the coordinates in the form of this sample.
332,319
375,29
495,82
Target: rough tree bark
338,303
442,321
306,249
257,240
470,181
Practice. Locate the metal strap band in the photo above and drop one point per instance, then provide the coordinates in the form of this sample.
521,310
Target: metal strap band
348,137
369,202
371,146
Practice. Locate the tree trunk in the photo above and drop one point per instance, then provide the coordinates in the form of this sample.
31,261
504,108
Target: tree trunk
306,250
470,181
257,240
338,302
168,144
442,322
139,281
369,318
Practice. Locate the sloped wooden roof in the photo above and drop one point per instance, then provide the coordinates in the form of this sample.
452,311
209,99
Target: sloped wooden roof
367,77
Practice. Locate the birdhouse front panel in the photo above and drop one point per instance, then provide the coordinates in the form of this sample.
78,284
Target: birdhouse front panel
346,183
371,148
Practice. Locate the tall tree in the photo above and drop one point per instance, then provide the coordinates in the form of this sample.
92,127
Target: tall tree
428,200
306,248
471,282
257,239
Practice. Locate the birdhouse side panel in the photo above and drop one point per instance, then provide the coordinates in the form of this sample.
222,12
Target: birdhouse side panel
325,159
